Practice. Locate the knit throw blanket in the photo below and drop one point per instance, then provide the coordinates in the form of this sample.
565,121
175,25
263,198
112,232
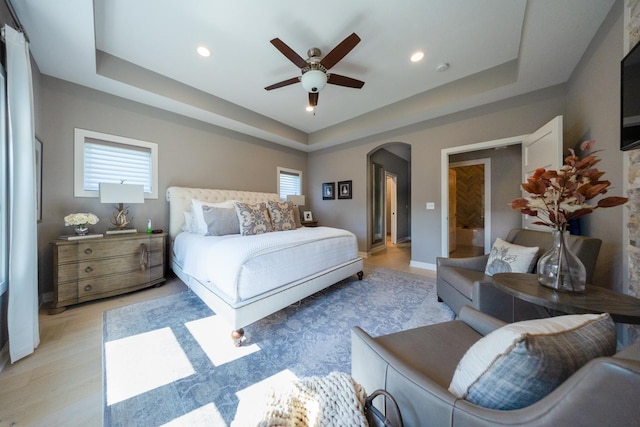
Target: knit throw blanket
334,400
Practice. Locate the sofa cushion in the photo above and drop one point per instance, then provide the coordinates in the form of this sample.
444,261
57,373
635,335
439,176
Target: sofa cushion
518,364
507,257
462,278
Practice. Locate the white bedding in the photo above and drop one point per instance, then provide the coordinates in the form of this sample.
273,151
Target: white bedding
242,267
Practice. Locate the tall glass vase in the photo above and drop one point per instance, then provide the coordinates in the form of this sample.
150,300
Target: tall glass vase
561,269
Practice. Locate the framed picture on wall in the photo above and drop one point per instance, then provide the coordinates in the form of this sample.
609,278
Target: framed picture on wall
344,189
328,191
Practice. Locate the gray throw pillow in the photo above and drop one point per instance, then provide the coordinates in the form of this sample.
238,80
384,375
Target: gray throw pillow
220,221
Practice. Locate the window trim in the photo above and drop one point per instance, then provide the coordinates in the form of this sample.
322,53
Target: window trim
81,136
280,170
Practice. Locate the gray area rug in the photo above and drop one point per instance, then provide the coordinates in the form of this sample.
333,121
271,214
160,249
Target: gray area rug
170,344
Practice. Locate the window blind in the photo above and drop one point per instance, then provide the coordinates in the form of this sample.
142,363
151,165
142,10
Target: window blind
289,184
113,162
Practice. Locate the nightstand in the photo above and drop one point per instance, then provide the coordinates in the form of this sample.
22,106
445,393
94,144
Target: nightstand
85,270
309,223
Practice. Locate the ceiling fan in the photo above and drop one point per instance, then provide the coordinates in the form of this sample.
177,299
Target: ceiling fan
314,69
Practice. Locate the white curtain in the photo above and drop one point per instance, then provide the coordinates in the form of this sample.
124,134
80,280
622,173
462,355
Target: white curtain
23,243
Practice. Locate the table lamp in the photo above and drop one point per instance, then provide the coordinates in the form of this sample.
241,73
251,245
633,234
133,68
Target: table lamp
121,194
297,200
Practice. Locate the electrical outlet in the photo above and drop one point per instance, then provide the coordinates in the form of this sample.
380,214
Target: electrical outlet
431,205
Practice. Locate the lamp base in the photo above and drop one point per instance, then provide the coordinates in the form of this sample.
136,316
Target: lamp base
121,230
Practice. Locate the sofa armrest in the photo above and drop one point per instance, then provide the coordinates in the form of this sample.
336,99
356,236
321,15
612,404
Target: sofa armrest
480,322
478,263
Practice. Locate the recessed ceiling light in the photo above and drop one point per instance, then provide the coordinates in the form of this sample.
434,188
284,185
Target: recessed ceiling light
309,108
203,51
417,56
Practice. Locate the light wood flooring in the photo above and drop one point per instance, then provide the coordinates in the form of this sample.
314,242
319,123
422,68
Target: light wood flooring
61,383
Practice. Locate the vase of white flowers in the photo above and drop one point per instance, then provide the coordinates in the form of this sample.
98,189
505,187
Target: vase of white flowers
557,197
81,222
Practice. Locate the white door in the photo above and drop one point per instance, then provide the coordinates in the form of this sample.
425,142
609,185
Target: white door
452,210
392,181
541,149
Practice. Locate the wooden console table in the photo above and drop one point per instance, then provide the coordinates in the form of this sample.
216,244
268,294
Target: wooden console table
622,308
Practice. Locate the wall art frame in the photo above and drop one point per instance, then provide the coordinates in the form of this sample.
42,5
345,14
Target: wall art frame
345,189
328,191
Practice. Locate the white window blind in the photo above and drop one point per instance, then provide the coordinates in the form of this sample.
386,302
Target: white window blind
289,182
112,162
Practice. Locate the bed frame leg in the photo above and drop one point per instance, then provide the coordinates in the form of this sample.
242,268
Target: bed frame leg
237,336
360,275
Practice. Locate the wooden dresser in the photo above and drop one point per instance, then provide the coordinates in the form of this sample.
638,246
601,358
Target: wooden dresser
89,269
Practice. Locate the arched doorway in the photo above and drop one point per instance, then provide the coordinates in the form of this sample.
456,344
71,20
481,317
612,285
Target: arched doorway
388,208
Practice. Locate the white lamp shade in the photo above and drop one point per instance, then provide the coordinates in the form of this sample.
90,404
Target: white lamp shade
296,200
314,81
121,193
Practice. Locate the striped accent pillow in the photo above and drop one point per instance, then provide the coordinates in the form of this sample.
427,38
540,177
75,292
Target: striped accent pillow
519,364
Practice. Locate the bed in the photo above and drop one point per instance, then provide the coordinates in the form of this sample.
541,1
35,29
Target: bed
246,278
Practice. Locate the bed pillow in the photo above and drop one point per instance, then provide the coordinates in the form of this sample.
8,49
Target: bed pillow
253,218
220,221
188,225
520,363
282,215
199,224
507,257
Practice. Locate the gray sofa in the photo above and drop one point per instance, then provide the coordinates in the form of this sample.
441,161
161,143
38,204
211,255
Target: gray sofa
416,366
461,281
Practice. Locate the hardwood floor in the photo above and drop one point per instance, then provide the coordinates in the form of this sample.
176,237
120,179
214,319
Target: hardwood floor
61,383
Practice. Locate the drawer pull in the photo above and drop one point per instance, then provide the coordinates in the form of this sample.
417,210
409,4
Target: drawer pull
88,269
88,288
88,251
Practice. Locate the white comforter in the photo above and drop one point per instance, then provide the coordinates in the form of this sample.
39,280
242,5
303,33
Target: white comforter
242,267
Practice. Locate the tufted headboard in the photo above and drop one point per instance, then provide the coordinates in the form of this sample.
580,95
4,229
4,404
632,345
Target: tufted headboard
179,199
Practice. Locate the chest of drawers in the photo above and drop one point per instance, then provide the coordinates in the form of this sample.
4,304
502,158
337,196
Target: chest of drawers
90,269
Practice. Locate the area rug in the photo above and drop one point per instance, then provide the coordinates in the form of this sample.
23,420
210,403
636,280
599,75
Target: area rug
170,361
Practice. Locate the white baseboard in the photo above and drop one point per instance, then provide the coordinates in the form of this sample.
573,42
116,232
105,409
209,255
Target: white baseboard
363,254
423,265
4,356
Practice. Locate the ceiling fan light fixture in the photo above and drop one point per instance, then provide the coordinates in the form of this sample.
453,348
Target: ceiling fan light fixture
314,81
309,108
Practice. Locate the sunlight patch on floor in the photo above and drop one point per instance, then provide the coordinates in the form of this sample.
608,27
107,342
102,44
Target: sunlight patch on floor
254,398
206,415
214,336
143,362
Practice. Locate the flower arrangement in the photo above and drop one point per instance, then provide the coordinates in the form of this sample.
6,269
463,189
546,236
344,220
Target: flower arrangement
81,219
560,196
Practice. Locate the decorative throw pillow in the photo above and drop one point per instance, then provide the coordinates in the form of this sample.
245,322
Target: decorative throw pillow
253,218
199,223
520,363
507,257
282,215
220,221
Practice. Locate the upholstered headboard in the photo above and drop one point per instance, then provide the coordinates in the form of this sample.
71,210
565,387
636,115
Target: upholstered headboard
179,199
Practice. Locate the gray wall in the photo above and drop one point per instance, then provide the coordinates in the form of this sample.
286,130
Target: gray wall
515,116
593,112
191,153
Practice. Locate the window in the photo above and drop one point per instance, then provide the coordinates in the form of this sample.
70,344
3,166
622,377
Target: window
107,158
289,182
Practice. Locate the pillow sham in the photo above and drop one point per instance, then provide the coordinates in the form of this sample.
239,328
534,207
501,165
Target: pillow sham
199,224
188,223
253,218
220,221
520,363
282,215
507,257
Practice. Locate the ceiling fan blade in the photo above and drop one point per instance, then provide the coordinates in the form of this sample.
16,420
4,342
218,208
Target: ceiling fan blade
313,98
289,53
340,51
283,83
337,79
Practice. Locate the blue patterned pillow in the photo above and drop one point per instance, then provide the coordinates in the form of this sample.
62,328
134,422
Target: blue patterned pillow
282,215
519,364
253,218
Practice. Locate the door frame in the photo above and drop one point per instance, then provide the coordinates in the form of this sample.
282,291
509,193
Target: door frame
444,185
